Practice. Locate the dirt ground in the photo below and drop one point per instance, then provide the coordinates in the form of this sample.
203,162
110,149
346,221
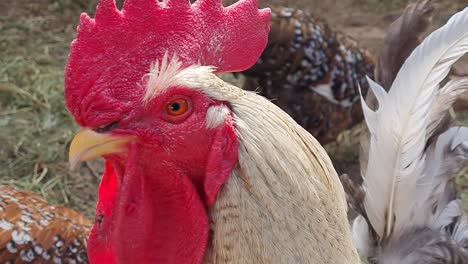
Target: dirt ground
34,40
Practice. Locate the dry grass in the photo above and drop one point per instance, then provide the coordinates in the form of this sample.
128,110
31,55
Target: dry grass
35,128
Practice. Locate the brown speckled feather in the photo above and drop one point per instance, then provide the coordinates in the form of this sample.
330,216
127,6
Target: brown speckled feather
35,231
312,72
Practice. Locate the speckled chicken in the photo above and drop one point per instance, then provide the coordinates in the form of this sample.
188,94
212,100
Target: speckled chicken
35,231
312,72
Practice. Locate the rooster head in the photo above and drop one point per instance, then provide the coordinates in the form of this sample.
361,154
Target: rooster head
141,83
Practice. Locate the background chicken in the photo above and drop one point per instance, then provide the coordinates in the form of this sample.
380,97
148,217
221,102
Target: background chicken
409,209
312,72
35,231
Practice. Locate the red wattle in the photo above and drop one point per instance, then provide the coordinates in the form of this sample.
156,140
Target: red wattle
156,217
99,248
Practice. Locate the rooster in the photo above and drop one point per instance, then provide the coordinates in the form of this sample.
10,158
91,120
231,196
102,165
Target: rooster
35,231
197,170
408,205
312,73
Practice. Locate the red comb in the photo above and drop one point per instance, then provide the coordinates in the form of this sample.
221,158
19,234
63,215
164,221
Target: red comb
230,38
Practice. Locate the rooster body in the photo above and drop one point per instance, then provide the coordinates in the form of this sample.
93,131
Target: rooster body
197,170
35,231
312,72
268,211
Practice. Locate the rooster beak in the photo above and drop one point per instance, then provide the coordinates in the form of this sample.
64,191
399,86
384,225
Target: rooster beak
88,144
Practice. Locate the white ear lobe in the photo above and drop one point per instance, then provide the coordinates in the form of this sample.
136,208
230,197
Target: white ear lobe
215,116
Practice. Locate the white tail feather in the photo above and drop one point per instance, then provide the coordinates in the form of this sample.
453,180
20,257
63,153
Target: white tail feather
399,126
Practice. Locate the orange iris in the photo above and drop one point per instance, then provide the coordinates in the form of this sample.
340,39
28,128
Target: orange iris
177,107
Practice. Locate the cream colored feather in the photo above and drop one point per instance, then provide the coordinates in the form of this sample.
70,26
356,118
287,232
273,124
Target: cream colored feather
399,126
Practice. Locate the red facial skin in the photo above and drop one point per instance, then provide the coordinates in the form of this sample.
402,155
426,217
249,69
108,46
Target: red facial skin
153,200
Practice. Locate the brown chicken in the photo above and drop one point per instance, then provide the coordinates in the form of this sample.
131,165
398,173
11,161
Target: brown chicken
35,231
312,72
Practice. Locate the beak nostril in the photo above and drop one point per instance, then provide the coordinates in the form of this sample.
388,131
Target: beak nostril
107,128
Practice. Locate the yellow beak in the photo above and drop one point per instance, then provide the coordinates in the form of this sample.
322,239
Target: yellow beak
88,144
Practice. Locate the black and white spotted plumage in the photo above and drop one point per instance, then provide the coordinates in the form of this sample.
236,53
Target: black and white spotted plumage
312,72
35,231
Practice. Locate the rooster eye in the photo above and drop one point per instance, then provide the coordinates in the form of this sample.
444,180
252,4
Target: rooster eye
107,128
177,107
